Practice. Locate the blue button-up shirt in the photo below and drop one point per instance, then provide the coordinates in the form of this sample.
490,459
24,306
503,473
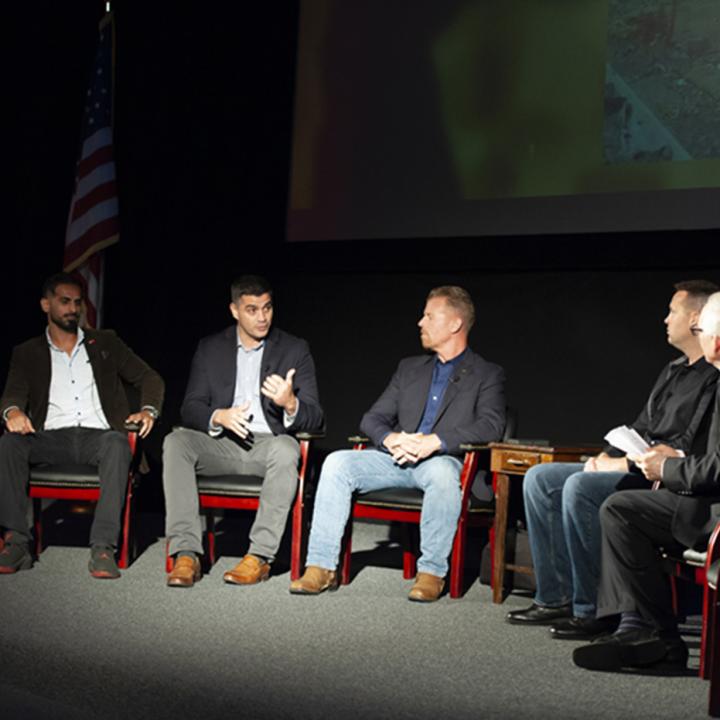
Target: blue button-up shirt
442,372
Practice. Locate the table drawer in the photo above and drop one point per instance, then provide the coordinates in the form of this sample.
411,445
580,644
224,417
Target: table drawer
514,461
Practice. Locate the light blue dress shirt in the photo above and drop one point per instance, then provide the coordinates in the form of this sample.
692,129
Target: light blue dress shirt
73,400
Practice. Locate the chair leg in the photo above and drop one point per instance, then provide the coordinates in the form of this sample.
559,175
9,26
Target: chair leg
409,565
169,564
457,561
296,545
211,536
714,666
409,552
345,556
37,524
125,543
709,630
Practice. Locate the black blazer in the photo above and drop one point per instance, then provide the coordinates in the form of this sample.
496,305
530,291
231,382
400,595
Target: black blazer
212,380
112,361
472,408
696,480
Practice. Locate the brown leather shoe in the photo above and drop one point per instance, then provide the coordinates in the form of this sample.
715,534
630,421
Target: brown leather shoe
185,572
427,588
314,581
249,571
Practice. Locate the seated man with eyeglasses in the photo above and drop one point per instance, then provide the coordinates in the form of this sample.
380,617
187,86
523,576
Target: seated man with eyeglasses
562,500
681,514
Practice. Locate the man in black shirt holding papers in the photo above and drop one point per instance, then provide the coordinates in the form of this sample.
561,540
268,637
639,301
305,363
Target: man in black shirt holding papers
681,513
562,500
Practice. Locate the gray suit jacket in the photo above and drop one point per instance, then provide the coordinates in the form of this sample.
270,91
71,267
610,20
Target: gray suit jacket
472,408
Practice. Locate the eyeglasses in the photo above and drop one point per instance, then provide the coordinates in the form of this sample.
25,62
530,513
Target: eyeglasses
696,330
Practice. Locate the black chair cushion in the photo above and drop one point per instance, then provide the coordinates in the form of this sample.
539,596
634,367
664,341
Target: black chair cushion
65,475
234,485
411,499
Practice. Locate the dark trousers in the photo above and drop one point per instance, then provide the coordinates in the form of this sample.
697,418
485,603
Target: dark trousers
635,524
106,449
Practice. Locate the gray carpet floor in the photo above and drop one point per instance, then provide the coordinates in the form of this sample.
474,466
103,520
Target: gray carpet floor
75,647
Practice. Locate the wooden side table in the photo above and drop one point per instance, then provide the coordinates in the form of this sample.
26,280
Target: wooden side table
510,460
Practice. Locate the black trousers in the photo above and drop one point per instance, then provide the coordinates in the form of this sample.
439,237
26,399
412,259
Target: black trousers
106,449
635,525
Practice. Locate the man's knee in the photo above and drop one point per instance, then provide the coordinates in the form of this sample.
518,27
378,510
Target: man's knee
284,450
615,507
115,444
12,444
337,465
535,483
577,489
444,475
177,443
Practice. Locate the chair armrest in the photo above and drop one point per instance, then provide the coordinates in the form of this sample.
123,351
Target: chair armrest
470,447
309,435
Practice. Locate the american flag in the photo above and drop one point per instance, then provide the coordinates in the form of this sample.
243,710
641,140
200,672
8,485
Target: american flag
93,219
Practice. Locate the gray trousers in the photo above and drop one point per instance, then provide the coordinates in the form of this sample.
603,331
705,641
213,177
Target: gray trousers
190,452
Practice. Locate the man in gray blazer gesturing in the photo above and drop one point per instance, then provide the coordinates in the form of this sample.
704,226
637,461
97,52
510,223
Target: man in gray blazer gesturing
251,388
433,404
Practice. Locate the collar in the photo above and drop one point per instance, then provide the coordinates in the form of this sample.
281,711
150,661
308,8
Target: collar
80,339
452,362
248,351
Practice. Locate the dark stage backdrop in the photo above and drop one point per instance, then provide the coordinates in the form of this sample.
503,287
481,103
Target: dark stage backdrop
203,122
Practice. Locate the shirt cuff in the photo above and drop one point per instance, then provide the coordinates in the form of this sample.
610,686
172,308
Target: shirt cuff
7,410
152,410
288,420
213,430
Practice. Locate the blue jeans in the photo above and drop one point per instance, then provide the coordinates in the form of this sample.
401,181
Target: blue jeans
561,507
348,471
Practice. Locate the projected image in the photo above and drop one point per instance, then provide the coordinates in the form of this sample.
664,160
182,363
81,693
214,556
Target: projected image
662,91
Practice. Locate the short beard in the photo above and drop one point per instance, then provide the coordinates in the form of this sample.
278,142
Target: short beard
70,325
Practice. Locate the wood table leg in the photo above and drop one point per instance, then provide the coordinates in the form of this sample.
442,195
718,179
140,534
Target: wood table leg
502,486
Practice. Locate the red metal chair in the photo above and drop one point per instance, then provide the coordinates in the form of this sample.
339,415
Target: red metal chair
713,655
695,567
242,492
404,505
80,483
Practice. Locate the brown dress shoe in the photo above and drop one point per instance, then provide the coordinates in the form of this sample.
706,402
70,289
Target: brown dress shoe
249,571
427,588
314,581
185,572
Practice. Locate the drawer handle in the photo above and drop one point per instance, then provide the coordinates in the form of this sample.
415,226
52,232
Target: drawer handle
517,461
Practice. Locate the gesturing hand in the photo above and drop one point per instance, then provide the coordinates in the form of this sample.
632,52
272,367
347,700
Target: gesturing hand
235,419
18,422
280,391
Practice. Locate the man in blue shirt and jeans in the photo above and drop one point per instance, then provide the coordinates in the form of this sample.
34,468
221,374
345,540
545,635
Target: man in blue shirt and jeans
433,404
